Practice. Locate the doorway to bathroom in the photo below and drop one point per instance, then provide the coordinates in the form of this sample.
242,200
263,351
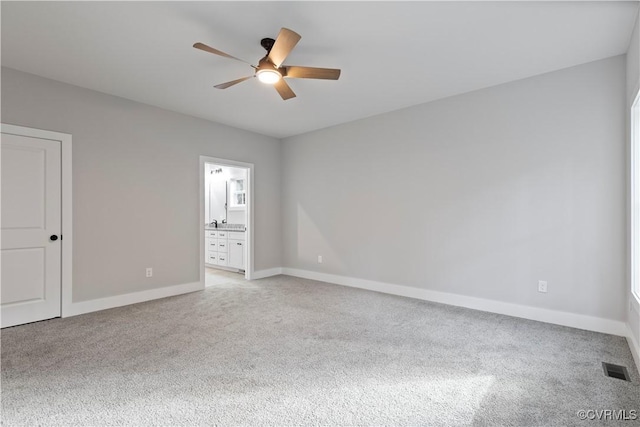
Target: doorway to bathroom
226,220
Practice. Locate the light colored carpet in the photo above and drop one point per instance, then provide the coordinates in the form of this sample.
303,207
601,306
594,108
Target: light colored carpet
288,351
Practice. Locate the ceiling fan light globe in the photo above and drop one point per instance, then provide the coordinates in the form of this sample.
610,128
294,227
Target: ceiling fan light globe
268,76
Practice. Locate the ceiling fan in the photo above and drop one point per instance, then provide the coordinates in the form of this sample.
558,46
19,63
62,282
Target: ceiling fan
270,69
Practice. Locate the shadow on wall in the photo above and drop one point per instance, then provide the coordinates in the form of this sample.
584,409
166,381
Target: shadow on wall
448,234
312,243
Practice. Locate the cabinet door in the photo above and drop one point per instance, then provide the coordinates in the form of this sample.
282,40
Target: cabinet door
236,254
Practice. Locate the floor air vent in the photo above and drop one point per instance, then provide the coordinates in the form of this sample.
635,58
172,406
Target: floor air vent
615,371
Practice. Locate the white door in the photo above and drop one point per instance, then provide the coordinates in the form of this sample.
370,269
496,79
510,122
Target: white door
31,222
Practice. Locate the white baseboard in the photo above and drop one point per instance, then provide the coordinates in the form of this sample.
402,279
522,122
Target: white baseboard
573,320
261,274
83,307
634,346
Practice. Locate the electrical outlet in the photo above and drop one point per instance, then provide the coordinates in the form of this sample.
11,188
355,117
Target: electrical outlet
319,259
149,272
542,286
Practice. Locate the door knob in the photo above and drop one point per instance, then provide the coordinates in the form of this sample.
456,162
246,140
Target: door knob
53,238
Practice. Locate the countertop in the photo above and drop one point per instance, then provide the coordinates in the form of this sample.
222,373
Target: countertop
226,227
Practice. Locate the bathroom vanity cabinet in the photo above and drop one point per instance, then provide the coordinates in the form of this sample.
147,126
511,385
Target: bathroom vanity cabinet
225,248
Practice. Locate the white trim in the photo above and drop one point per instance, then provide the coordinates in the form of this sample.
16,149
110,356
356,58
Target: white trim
261,274
250,241
633,318
67,227
201,216
573,320
66,206
634,198
634,346
83,307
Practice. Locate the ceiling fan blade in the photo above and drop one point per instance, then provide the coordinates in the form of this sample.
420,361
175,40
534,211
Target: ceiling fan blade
285,42
284,90
312,73
209,49
231,83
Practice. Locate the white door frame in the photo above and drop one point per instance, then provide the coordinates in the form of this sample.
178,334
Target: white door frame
634,198
248,272
66,205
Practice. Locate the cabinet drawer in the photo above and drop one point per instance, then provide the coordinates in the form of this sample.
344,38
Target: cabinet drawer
236,235
212,257
212,244
210,233
222,234
222,245
222,259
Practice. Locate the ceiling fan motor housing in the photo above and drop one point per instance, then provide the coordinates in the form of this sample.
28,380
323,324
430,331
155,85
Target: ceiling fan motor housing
266,64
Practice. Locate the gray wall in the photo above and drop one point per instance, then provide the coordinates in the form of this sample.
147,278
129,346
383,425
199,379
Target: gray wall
633,61
136,183
481,194
633,84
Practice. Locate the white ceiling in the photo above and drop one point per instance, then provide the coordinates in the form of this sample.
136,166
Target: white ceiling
392,54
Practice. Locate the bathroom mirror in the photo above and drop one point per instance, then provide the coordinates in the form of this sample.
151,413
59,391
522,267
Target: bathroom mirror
218,201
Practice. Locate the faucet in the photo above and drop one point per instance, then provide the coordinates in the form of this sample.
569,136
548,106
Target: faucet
215,223
224,221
